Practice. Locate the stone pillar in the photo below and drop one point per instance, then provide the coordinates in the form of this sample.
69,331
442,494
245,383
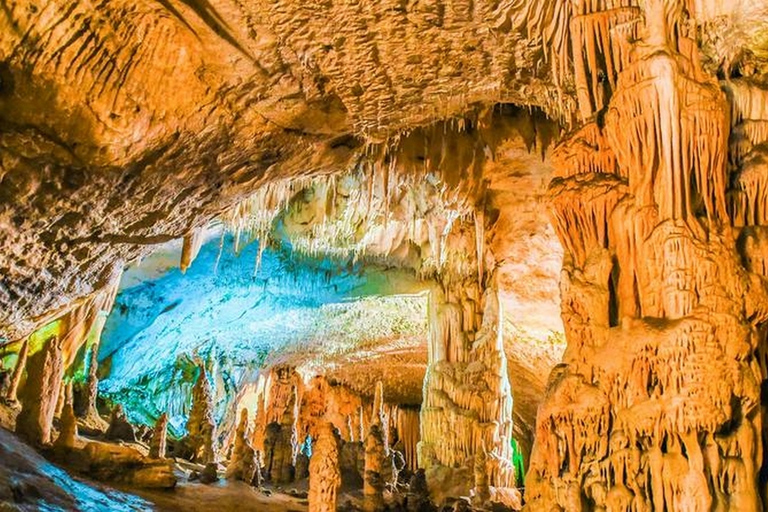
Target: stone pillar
467,395
158,444
18,371
242,464
286,444
656,405
91,389
375,461
324,475
379,416
200,425
67,425
260,425
45,370
482,492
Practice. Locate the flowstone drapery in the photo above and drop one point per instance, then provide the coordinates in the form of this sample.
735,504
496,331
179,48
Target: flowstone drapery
657,403
466,390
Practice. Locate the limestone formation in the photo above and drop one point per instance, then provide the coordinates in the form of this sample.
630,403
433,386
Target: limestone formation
379,416
18,371
284,445
656,406
350,431
5,380
111,462
258,475
40,394
375,464
259,425
242,464
120,429
324,475
408,431
401,145
467,390
157,445
87,405
67,427
482,493
200,425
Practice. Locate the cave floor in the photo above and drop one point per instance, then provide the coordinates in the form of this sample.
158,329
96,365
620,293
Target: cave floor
222,497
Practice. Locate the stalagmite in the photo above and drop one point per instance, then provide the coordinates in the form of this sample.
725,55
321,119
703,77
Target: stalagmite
284,442
158,444
379,416
375,460
38,399
67,427
200,425
120,429
259,425
324,475
91,390
242,463
482,493
18,372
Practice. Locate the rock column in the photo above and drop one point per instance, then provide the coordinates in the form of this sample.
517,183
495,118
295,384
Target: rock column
45,370
18,371
200,426
467,395
157,445
324,475
242,464
67,426
375,460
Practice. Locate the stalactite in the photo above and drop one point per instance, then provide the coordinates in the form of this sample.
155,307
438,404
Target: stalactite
599,38
324,475
408,430
190,248
45,370
361,423
18,372
350,430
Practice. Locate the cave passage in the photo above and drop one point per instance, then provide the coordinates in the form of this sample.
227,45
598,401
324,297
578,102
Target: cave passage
384,255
